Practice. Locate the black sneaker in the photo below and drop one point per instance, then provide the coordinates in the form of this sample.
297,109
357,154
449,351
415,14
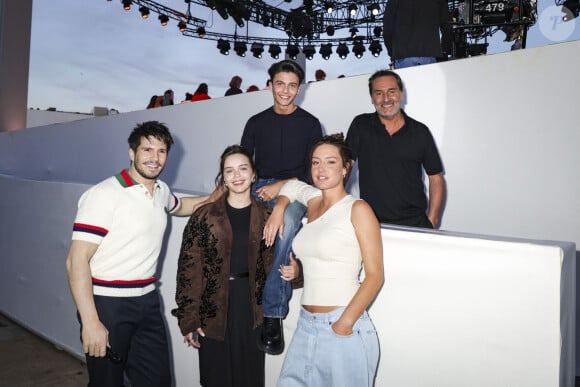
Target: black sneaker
271,339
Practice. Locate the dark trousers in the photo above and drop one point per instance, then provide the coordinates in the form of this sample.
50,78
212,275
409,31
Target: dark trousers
137,334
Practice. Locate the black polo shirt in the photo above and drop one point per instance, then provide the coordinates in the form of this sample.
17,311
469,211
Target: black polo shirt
390,167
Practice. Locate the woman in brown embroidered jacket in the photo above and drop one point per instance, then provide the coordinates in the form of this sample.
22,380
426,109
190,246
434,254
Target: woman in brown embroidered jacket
220,277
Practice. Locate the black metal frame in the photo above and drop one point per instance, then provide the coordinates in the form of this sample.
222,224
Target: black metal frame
306,24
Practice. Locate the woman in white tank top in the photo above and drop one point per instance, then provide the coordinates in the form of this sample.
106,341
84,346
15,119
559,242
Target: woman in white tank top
335,343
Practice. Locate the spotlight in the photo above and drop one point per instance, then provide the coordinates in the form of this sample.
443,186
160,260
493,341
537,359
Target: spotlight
238,19
377,31
326,51
571,9
126,4
223,46
374,9
375,48
309,51
201,32
292,51
274,51
342,51
257,49
181,25
358,49
239,13
329,7
240,48
144,12
476,49
163,19
265,20
353,32
330,30
220,7
352,9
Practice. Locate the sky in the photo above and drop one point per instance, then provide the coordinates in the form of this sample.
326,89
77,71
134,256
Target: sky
87,53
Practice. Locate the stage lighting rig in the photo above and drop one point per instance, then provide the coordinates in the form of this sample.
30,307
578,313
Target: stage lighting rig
477,20
317,25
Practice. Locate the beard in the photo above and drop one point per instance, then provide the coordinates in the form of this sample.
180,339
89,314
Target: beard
389,115
145,173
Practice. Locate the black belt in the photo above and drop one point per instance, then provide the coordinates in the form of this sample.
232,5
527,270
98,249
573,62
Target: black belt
239,275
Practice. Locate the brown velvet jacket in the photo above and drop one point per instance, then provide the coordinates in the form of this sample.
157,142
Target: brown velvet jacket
204,267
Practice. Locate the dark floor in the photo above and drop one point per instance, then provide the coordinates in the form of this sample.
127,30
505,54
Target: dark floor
27,360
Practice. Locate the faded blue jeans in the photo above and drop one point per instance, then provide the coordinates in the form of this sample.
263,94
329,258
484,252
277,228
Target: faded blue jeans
277,292
414,61
317,356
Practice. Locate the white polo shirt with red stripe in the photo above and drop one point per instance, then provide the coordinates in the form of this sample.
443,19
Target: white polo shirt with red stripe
128,224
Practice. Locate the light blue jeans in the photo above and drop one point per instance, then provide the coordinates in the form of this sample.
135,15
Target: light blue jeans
277,292
318,357
414,61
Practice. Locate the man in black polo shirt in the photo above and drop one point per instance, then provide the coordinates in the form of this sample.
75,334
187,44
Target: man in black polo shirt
280,139
392,150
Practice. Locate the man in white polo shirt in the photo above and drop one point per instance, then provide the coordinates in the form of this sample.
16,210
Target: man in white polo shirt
117,237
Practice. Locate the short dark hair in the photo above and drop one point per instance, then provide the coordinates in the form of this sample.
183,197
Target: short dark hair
287,66
385,73
232,150
338,141
150,129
